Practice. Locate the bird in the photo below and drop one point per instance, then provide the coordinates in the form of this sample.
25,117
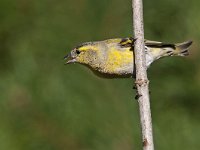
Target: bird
114,58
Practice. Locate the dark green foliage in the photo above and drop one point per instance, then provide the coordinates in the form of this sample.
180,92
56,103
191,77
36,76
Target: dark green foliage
49,106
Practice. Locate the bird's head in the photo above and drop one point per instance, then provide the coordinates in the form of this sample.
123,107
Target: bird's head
85,53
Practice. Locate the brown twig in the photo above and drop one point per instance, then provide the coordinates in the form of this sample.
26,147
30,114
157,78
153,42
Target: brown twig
142,82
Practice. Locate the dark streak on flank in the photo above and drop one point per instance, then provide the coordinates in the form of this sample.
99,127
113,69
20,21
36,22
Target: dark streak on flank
168,52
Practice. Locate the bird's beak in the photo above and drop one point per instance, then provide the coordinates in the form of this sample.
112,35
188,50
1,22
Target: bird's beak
69,59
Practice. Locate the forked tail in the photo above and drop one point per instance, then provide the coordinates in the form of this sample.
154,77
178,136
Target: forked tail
181,49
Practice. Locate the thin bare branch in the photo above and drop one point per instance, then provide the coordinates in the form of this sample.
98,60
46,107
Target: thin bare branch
142,82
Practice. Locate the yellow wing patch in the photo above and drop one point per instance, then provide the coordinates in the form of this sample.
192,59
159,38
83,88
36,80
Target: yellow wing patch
126,41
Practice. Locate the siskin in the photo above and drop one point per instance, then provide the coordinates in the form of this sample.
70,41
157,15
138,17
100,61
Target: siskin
113,58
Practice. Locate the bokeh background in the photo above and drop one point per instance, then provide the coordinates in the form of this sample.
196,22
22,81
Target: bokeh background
45,105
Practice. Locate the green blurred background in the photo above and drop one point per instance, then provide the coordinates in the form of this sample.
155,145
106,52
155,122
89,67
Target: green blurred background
45,105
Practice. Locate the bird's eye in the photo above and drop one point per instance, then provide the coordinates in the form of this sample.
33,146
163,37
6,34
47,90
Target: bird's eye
78,52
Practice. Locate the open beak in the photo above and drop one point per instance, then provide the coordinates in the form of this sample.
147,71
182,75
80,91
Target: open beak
69,59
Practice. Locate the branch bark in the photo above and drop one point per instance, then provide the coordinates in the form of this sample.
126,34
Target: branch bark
142,82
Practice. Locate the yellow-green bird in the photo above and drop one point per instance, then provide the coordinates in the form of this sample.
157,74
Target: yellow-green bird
114,57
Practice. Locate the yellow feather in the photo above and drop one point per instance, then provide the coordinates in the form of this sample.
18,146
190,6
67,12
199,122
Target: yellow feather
117,59
87,47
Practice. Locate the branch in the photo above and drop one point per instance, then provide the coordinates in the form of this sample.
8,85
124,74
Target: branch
142,82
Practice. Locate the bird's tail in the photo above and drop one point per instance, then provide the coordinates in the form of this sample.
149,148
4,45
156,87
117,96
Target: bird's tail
181,49
160,49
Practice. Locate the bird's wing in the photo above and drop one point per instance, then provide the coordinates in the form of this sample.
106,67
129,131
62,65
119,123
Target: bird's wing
127,42
157,44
